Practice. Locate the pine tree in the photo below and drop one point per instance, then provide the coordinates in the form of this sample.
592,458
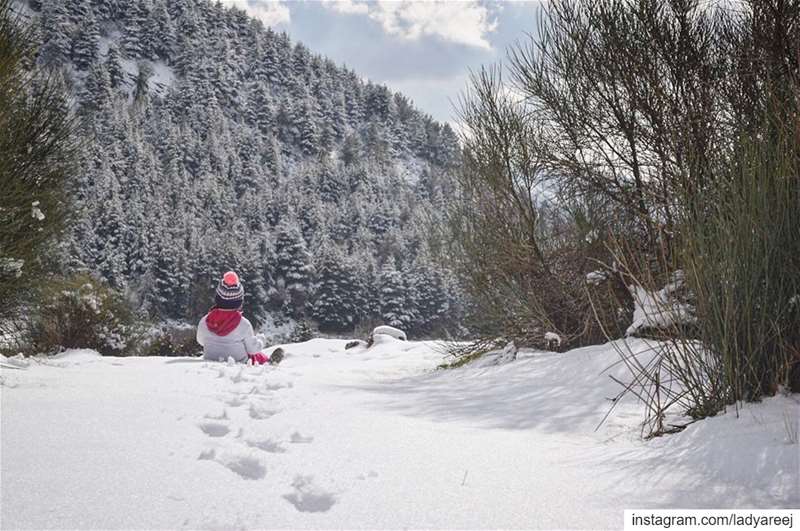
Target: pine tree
106,9
352,150
97,90
158,41
271,155
37,152
141,87
85,46
394,304
259,109
431,302
78,11
330,185
135,17
302,332
56,32
335,300
116,74
293,267
305,118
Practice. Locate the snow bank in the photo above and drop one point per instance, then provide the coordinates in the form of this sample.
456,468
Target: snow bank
14,362
77,356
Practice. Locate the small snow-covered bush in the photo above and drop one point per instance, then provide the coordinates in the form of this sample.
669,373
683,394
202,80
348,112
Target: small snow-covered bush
302,332
170,339
80,312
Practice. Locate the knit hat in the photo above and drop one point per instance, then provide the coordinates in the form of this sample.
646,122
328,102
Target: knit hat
230,293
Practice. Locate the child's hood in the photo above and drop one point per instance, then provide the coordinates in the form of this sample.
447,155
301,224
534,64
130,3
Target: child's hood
223,322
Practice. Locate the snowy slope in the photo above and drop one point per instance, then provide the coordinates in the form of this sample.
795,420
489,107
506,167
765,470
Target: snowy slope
364,439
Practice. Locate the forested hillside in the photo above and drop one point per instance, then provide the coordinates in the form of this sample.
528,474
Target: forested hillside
214,143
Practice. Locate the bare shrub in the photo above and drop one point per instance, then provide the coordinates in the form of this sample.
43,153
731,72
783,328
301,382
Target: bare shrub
81,312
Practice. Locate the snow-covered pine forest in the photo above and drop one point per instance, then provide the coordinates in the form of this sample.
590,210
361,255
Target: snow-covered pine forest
212,142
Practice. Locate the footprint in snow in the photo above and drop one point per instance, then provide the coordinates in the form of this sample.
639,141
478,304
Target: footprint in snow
217,416
214,429
239,377
8,383
309,498
234,402
245,466
277,386
267,445
298,438
207,455
260,413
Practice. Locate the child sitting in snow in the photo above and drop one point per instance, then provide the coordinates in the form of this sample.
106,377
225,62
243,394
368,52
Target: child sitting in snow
224,333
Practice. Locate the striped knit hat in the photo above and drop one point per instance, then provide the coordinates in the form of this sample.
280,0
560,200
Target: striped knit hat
230,293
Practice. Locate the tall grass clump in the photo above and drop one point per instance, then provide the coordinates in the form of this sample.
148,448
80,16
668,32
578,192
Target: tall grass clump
742,258
739,265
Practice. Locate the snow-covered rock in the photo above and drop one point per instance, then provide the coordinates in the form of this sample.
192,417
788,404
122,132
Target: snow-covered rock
596,277
353,344
552,340
389,331
662,309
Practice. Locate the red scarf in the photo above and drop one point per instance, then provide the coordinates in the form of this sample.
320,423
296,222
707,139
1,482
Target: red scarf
223,322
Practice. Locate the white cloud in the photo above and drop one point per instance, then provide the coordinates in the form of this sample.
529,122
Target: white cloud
349,7
270,12
463,22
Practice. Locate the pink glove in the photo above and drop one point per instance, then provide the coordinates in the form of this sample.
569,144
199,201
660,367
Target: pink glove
258,358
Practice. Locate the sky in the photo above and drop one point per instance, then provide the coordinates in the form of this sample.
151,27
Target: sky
422,48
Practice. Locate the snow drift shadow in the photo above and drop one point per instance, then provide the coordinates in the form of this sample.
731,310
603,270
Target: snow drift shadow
744,457
569,392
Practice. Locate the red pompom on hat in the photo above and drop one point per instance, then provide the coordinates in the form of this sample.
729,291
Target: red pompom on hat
230,278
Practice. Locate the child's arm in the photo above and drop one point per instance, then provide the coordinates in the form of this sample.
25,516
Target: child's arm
252,343
201,332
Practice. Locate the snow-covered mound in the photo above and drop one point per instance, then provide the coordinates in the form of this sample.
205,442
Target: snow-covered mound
390,331
365,438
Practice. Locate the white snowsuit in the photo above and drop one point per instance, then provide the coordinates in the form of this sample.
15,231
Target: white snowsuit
237,344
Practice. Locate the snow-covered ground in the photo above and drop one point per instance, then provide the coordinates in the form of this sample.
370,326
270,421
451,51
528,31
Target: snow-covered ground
365,438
